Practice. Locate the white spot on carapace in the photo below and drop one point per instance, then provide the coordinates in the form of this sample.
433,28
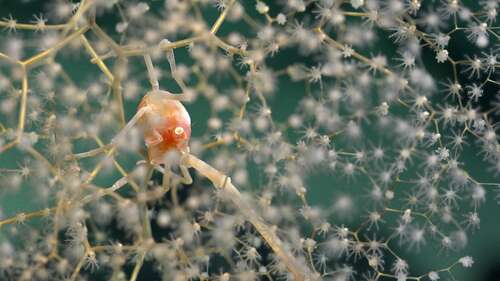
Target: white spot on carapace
178,130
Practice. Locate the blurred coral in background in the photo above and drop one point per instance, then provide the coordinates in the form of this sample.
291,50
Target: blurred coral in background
327,140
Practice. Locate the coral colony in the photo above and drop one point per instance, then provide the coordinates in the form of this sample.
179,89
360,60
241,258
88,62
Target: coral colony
245,140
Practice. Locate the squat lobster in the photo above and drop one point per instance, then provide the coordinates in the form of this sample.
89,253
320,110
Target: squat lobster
164,120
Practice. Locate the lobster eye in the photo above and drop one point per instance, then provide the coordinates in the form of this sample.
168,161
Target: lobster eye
179,131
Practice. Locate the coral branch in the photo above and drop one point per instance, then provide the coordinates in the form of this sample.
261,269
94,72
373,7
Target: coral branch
223,182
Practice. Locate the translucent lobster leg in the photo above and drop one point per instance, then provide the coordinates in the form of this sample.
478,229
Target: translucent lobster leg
173,67
114,141
131,123
153,79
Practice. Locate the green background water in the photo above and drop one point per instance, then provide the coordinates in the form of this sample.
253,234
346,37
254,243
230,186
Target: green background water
483,246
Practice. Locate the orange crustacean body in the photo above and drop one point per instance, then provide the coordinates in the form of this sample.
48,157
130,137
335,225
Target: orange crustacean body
166,126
